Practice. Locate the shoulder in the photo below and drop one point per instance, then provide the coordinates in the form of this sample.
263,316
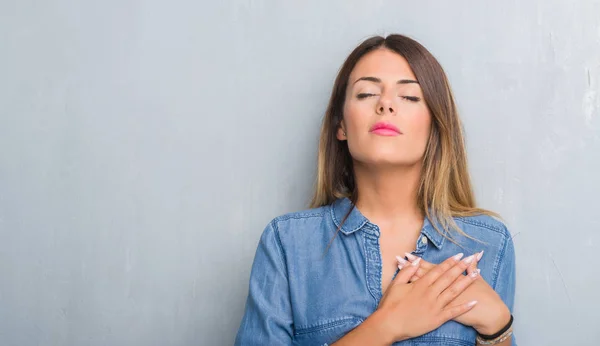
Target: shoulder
489,233
307,214
303,231
488,229
300,223
483,224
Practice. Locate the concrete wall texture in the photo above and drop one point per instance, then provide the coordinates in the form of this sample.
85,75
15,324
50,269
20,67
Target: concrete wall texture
145,145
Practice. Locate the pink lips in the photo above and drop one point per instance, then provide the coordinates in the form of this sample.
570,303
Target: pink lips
385,129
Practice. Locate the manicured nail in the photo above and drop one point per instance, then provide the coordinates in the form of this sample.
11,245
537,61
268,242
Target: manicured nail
457,257
479,271
479,255
474,274
469,259
401,261
410,256
416,263
472,303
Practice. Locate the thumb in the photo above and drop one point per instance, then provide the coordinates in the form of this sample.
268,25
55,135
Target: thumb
407,272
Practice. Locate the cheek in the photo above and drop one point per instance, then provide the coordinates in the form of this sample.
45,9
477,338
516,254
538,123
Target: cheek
420,125
354,116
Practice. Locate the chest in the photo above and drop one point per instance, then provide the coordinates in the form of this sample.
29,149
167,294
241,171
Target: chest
338,294
390,246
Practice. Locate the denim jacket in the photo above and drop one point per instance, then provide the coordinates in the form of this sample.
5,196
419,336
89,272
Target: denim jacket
301,294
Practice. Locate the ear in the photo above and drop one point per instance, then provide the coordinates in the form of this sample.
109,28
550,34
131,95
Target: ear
341,132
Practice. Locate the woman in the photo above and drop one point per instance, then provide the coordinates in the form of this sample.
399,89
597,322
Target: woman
394,250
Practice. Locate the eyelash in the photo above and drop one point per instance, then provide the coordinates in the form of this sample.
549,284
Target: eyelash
409,98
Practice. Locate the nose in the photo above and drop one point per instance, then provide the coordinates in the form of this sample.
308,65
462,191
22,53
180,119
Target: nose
385,106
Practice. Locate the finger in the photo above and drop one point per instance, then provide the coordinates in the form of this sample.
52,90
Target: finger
440,269
453,312
458,287
420,272
401,262
406,273
473,267
451,274
424,264
410,256
479,256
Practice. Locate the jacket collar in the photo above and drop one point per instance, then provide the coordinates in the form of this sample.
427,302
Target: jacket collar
356,221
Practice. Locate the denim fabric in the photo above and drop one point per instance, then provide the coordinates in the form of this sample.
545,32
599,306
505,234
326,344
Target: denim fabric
301,294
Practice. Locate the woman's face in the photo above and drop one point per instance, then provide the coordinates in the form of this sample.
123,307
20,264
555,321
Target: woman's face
386,120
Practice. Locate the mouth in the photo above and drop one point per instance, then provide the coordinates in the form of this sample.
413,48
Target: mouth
385,129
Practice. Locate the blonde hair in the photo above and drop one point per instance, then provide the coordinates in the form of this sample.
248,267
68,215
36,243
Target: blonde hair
445,188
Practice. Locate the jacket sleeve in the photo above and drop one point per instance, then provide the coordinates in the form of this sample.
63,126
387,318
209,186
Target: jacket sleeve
506,280
267,317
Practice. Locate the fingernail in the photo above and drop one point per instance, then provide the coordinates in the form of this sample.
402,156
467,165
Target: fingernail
479,255
401,260
400,266
472,303
474,274
410,256
416,263
457,257
469,259
479,271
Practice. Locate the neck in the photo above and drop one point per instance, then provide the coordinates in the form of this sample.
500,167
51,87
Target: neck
388,195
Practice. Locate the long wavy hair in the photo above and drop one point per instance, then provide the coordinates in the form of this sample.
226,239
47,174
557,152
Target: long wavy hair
444,190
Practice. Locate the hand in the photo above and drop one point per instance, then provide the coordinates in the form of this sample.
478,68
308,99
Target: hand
408,309
490,315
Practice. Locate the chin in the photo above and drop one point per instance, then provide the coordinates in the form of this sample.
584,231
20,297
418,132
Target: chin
387,160
386,156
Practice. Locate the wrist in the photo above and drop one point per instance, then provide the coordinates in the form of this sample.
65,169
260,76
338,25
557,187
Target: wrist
496,323
386,334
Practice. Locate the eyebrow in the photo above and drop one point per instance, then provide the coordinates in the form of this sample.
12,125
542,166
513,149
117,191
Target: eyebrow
377,80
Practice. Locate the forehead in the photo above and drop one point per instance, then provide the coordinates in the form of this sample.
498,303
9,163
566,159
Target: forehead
384,64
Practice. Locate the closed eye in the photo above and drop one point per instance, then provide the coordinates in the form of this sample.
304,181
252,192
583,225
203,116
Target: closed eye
411,98
364,95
